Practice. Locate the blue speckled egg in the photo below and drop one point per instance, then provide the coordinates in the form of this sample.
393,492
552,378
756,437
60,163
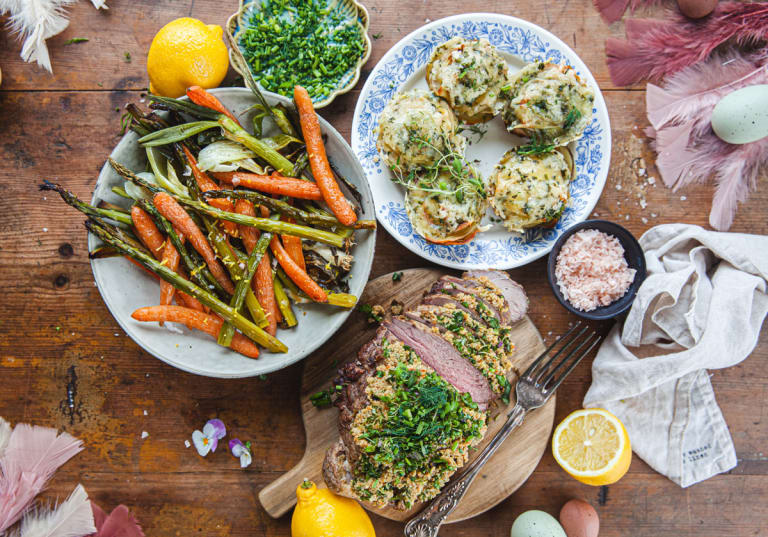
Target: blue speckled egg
741,116
536,524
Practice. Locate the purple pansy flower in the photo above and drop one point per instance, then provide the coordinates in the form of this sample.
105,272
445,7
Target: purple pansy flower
241,451
208,439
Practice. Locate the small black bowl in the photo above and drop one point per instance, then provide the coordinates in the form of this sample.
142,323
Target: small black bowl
633,253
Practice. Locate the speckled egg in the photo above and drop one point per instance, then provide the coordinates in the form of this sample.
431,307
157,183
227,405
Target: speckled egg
741,116
536,524
696,9
579,519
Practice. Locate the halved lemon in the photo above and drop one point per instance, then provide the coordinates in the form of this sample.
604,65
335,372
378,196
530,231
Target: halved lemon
592,445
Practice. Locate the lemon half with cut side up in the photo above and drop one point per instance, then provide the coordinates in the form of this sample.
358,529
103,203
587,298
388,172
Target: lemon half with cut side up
593,446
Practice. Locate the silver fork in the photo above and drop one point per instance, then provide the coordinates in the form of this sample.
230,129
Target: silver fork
533,389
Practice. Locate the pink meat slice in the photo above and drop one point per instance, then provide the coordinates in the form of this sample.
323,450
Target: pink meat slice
440,355
513,292
435,302
455,286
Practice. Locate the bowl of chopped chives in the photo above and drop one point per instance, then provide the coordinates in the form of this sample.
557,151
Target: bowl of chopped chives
319,44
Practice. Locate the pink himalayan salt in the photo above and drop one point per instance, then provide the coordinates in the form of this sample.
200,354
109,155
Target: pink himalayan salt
591,270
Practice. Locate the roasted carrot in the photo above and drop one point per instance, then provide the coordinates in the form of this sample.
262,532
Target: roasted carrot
188,301
201,97
318,160
249,234
197,320
206,184
273,184
296,273
147,231
169,208
265,293
171,260
292,245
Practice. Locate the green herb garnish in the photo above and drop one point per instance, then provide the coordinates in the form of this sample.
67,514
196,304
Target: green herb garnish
537,146
480,130
324,398
368,310
462,177
321,399
300,42
396,276
425,413
76,40
573,116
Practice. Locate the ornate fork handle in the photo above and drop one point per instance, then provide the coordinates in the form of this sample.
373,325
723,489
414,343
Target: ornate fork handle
428,521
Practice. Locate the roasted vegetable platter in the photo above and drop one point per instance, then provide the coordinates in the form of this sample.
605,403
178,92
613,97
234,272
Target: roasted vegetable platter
252,153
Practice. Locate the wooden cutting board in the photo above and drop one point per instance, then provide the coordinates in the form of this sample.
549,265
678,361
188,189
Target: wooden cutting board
504,472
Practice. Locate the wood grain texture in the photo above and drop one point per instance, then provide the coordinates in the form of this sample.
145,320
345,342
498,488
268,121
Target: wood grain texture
501,476
65,363
129,25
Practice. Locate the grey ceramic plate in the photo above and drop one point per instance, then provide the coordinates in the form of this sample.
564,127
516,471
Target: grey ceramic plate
125,288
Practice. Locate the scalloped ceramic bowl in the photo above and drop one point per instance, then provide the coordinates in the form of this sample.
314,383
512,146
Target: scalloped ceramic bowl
351,9
124,287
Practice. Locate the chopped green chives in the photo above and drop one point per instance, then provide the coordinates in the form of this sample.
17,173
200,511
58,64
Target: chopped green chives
300,42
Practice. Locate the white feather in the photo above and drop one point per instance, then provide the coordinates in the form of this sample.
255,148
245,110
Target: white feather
72,518
5,435
34,21
688,149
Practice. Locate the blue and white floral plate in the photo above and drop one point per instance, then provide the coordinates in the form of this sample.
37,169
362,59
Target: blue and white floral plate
403,68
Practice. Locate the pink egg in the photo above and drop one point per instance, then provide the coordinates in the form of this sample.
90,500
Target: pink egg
696,9
579,519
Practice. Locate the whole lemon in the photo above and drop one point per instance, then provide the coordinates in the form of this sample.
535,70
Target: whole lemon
321,513
186,52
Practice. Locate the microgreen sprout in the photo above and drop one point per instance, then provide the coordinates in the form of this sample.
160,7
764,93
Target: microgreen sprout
451,174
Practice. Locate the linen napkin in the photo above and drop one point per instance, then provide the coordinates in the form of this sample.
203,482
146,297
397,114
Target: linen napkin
701,307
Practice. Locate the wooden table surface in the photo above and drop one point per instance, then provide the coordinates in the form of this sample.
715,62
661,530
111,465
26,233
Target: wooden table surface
65,363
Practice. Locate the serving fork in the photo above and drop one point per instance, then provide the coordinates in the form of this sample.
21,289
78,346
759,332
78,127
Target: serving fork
533,389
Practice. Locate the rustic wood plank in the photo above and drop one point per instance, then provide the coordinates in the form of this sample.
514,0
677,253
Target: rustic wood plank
129,26
65,363
48,284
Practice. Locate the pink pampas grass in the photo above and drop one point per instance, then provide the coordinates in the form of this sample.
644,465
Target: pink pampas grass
31,457
688,150
119,523
656,48
612,10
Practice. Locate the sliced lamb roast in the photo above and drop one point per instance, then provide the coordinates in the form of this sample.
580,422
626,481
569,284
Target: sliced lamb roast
451,286
433,332
513,292
440,355
446,300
